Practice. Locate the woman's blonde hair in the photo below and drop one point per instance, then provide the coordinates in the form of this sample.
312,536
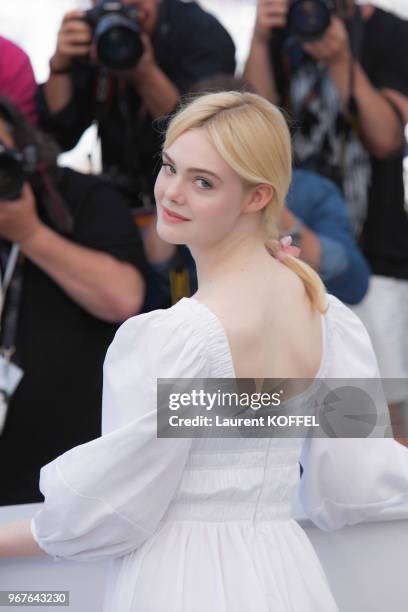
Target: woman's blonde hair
252,136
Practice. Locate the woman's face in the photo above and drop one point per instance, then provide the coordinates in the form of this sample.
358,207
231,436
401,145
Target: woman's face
199,196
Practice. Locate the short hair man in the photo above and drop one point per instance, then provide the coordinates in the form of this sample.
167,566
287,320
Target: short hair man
181,44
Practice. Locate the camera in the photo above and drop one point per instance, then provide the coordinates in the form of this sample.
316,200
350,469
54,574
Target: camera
309,19
116,34
14,169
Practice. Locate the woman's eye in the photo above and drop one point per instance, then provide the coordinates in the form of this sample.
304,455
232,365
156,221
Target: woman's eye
203,183
168,168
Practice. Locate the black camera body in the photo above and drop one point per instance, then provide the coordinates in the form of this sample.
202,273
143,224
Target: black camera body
308,20
14,170
116,34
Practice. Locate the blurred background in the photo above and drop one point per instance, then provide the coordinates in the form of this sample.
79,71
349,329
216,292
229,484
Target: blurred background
34,26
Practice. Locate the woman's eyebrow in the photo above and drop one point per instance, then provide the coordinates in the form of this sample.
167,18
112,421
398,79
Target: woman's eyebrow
201,170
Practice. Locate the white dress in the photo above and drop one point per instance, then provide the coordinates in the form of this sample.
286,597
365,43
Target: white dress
199,525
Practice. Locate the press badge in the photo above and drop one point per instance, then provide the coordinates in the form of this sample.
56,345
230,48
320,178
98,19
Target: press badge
10,376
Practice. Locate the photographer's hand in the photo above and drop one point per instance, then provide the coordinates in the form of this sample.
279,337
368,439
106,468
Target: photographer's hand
159,94
74,40
270,14
333,47
18,218
146,63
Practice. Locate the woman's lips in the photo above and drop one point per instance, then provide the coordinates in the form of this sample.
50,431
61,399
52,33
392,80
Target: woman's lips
171,217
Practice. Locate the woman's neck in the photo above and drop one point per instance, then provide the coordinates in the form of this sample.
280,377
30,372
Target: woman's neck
227,260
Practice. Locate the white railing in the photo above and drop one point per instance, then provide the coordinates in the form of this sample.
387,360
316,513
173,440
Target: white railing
366,566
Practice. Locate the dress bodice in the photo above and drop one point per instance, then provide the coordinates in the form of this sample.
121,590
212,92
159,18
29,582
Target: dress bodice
250,479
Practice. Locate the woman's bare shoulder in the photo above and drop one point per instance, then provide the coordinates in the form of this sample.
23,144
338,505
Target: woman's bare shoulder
272,331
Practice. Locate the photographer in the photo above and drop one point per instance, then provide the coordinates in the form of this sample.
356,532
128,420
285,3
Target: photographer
346,89
180,43
340,89
79,274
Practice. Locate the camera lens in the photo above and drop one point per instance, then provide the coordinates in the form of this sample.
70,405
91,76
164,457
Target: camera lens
309,19
118,43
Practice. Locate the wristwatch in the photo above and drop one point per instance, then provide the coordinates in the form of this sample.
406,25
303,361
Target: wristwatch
295,231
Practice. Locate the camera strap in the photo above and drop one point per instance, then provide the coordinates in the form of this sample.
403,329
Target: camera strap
45,182
355,31
114,104
10,287
103,93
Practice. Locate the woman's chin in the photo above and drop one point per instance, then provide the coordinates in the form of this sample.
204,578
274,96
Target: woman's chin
168,234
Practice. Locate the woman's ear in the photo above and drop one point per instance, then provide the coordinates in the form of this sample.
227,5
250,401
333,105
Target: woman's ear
259,197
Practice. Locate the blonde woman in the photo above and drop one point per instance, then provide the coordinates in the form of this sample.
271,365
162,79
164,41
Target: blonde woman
204,524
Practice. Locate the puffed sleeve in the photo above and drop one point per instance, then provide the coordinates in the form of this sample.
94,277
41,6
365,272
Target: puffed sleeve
348,480
106,497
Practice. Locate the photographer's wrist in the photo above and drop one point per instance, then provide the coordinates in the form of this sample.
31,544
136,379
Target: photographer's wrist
143,74
263,36
32,236
60,65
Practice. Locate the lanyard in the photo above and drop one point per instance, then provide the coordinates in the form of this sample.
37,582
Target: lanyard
8,318
8,275
10,373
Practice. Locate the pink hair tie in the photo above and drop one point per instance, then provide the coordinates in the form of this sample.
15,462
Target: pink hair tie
287,248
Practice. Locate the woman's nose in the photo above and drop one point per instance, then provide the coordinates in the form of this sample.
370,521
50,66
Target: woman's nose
174,192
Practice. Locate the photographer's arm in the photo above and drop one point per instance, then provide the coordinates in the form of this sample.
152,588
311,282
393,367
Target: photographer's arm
258,70
16,540
58,92
159,94
380,125
104,286
74,38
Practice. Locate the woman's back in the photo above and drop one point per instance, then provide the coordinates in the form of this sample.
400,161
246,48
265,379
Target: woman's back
272,328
